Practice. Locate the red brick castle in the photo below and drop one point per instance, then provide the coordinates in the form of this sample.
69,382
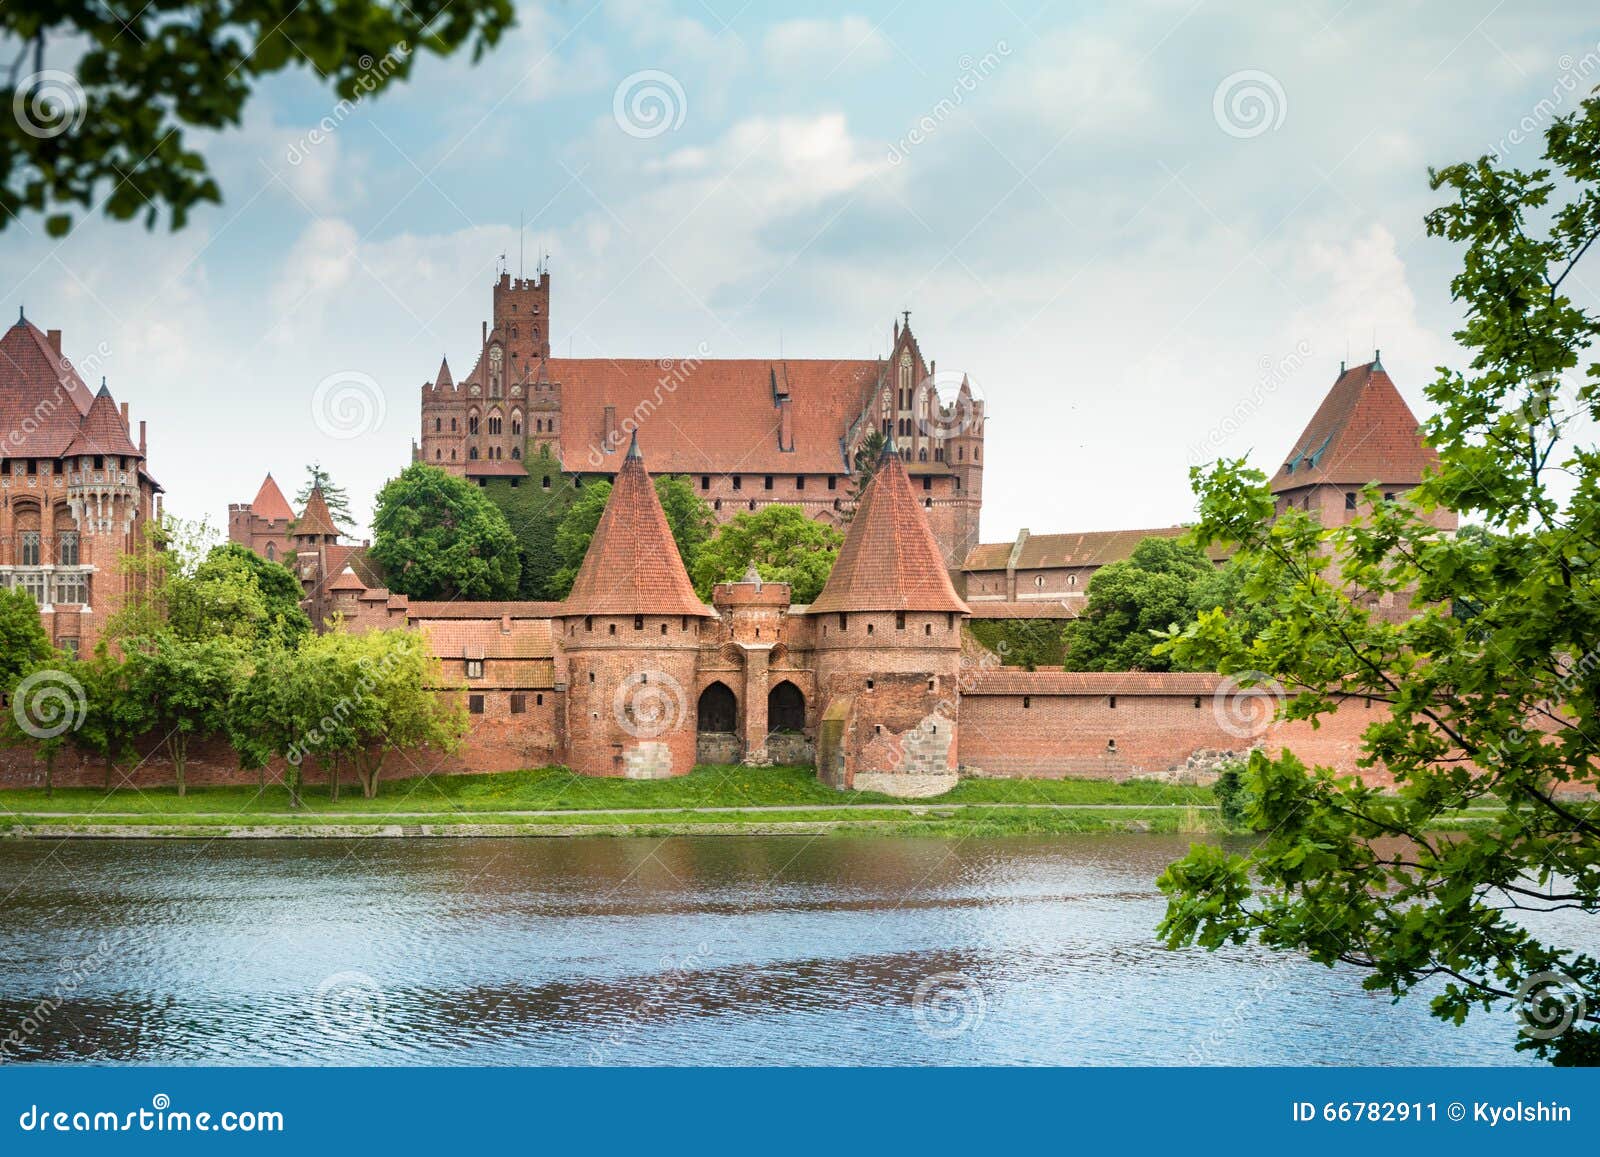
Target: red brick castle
747,432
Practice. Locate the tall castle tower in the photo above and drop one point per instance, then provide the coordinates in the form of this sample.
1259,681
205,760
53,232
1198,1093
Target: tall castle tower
630,636
888,648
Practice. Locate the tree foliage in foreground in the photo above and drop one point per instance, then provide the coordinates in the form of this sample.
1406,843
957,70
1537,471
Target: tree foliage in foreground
104,92
1492,682
688,517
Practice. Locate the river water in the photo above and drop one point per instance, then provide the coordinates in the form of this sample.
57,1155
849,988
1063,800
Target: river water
714,950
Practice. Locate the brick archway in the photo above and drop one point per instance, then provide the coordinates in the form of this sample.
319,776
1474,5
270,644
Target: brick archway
717,709
786,708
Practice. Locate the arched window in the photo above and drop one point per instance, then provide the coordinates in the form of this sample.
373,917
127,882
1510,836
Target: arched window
473,453
495,423
786,708
516,452
272,552
718,710
472,423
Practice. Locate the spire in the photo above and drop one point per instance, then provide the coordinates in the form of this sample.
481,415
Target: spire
270,503
633,446
104,391
889,560
890,450
315,518
632,566
444,378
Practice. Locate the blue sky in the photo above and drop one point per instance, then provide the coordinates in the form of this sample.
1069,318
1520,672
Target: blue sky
1148,231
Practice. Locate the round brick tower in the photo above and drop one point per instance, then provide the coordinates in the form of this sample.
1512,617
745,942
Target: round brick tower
630,637
887,632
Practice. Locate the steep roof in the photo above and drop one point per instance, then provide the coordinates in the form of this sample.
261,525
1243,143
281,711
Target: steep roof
1363,432
889,560
42,398
270,503
702,416
102,430
632,565
347,580
315,518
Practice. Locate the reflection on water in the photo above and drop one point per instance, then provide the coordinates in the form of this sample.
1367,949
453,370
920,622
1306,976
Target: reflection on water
729,950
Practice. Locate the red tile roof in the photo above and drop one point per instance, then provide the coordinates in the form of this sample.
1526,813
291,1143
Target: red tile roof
889,560
1033,609
42,398
1081,548
711,415
347,580
1015,681
632,565
102,430
315,518
484,638
270,503
1363,432
489,609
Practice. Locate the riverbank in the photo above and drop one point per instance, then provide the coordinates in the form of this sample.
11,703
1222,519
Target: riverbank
551,802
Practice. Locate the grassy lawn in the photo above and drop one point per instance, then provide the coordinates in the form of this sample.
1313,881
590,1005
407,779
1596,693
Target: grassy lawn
549,789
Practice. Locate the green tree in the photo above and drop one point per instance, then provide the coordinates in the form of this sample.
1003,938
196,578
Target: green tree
1129,601
1491,681
866,465
272,709
336,497
113,127
236,593
107,731
688,516
438,537
784,544
23,642
46,707
180,689
534,508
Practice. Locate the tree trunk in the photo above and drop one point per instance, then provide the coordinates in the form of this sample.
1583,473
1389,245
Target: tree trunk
50,774
179,751
108,771
333,778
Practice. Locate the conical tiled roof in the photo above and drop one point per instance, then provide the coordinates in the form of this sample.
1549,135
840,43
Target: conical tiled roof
270,503
347,580
41,395
315,518
632,565
102,430
1363,432
444,378
889,560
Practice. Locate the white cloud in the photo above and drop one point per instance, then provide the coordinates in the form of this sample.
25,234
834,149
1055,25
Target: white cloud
815,47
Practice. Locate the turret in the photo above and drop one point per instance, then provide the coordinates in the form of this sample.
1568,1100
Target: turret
630,638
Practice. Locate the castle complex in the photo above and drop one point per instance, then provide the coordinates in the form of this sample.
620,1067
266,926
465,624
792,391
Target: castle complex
746,432
633,674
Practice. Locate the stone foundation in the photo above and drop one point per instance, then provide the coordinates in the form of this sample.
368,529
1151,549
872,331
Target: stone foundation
904,786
